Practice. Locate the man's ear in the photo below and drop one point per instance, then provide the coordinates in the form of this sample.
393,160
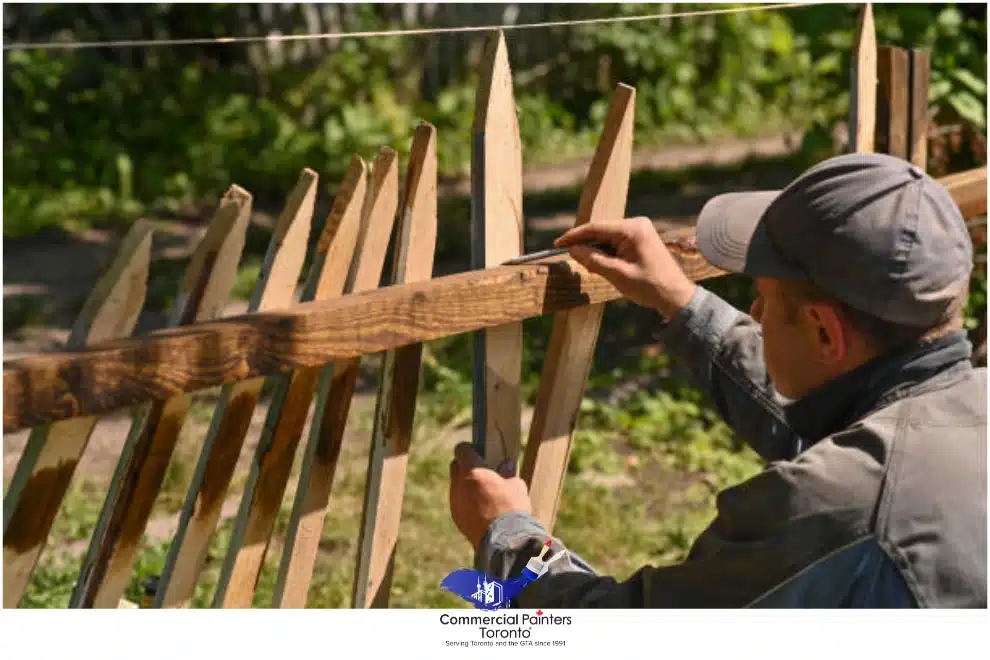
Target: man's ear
831,334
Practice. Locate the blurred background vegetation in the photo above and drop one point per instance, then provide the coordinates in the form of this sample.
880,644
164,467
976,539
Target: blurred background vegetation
92,133
102,136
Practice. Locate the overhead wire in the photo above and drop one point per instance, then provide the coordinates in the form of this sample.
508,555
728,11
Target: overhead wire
202,41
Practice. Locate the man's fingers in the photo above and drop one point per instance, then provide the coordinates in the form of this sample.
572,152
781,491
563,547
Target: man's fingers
605,232
507,469
598,262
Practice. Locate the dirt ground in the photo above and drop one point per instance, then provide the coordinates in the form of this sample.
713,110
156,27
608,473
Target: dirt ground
47,277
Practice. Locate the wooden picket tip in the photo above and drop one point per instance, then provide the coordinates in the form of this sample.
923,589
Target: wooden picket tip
863,90
275,288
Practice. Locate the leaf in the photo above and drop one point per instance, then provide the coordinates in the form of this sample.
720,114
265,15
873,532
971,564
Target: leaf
975,85
969,108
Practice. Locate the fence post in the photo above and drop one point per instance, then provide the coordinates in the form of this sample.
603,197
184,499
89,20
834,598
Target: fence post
863,91
274,289
496,237
575,332
275,453
135,484
398,385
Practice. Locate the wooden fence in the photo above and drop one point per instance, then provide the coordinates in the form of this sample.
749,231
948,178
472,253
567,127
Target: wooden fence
307,353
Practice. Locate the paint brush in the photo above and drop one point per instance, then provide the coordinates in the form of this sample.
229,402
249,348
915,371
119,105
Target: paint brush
544,254
534,568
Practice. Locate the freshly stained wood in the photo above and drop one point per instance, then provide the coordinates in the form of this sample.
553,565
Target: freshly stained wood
273,462
496,237
575,332
116,374
863,91
892,101
398,387
275,289
920,65
49,460
106,570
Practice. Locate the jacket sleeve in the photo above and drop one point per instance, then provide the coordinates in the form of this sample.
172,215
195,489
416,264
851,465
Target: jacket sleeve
722,350
765,533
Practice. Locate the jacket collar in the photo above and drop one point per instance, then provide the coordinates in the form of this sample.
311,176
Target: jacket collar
875,384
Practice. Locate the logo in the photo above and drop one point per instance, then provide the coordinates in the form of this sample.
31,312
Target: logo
489,593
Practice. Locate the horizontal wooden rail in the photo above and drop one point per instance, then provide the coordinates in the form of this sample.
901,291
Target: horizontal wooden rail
969,190
112,375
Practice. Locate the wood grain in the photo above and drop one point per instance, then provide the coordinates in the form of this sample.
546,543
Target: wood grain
200,513
892,102
115,374
49,461
293,393
270,471
863,90
398,386
209,278
496,237
575,332
305,529
920,70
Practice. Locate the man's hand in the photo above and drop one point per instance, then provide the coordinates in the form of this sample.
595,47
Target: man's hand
479,495
643,270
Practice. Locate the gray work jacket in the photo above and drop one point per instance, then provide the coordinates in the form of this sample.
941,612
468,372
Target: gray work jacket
874,493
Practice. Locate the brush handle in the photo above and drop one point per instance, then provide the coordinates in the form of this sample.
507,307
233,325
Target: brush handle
544,254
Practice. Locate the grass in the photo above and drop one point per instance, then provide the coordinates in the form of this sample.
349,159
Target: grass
644,471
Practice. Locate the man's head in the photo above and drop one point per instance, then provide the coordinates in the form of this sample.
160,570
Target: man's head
861,254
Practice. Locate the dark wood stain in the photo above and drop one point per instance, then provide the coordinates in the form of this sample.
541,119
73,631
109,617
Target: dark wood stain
226,450
404,392
277,461
335,413
39,503
151,474
143,479
106,544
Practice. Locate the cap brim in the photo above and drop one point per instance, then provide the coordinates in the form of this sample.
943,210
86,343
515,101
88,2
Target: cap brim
732,236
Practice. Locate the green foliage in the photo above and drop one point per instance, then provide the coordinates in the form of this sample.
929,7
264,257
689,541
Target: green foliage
92,139
976,304
669,422
954,34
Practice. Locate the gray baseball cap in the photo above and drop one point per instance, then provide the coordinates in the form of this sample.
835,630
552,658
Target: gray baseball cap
872,230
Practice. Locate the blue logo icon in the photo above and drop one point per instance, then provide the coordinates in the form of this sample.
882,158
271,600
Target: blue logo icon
488,593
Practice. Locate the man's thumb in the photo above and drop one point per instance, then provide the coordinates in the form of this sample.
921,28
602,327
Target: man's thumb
507,469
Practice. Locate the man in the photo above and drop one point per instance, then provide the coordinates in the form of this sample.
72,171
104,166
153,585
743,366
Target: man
850,377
